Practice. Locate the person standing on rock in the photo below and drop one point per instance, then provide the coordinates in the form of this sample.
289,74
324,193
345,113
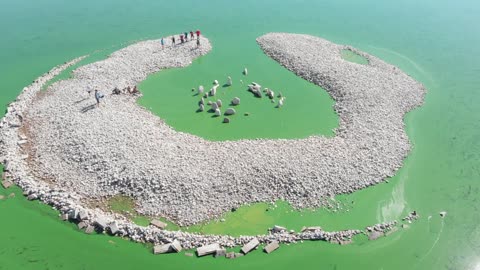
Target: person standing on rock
162,42
173,40
181,38
186,36
191,35
198,33
198,42
98,96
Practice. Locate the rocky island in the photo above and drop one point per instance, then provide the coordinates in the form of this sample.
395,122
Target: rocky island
59,148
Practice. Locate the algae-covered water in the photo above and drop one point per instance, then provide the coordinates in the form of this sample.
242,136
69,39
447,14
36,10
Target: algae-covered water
437,42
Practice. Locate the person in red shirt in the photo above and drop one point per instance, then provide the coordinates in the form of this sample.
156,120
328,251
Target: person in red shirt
198,33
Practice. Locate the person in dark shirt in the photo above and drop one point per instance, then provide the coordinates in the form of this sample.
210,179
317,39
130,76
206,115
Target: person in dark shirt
98,96
173,40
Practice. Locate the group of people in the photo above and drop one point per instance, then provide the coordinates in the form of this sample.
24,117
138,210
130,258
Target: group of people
98,95
182,38
134,90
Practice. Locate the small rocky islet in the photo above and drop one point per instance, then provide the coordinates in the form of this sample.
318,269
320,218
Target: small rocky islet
63,150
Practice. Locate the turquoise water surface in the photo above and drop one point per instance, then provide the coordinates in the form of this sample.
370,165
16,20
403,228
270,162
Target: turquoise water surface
436,42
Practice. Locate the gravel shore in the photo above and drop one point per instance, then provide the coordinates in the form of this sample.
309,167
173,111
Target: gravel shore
77,152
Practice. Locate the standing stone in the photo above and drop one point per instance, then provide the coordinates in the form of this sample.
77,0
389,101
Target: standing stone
230,111
235,101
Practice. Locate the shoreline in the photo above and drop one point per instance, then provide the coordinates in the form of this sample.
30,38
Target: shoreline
106,76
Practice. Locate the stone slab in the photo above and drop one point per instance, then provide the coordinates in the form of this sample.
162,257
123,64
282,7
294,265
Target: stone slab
271,247
7,184
250,245
161,249
159,224
208,249
176,245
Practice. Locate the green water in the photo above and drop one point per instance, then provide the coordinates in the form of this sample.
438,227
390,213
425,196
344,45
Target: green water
437,42
354,57
307,108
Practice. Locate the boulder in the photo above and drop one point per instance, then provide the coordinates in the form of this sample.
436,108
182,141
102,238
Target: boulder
443,214
101,223
219,103
113,228
82,215
90,229
218,112
32,197
81,225
230,111
214,106
201,108
278,229
229,81
235,101
200,89
375,235
220,253
226,120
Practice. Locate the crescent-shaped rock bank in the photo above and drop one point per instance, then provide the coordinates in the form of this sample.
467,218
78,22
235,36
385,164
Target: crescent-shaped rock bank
77,152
